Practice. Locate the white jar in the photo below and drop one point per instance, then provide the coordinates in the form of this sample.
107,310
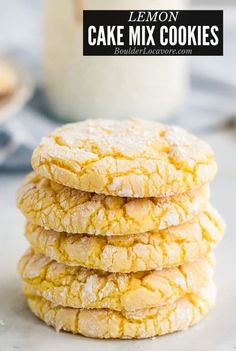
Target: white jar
79,87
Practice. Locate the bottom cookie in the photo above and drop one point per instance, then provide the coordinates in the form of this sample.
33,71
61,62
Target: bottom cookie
105,324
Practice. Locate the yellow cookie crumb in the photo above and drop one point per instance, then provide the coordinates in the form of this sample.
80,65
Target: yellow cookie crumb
129,158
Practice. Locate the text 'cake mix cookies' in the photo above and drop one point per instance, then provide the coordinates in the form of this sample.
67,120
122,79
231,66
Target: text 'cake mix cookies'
121,229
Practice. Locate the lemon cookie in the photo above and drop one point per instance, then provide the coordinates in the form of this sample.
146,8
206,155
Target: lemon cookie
105,323
61,208
83,288
151,250
130,158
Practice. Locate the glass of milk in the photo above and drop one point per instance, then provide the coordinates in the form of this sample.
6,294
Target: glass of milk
79,87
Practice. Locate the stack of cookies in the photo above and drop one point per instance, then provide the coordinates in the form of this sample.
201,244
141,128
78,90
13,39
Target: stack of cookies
120,229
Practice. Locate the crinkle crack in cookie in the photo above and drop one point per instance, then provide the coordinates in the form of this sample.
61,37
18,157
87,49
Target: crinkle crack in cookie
105,323
130,158
61,208
83,288
151,250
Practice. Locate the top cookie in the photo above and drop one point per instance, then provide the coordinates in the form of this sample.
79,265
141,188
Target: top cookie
129,158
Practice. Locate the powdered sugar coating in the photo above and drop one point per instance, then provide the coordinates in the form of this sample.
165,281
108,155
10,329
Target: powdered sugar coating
83,288
130,158
105,323
152,250
61,208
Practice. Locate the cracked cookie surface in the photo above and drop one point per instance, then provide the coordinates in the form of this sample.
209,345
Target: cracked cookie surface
61,208
105,323
151,250
129,158
83,288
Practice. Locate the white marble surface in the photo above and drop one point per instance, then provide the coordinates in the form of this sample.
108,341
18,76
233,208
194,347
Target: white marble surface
20,330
